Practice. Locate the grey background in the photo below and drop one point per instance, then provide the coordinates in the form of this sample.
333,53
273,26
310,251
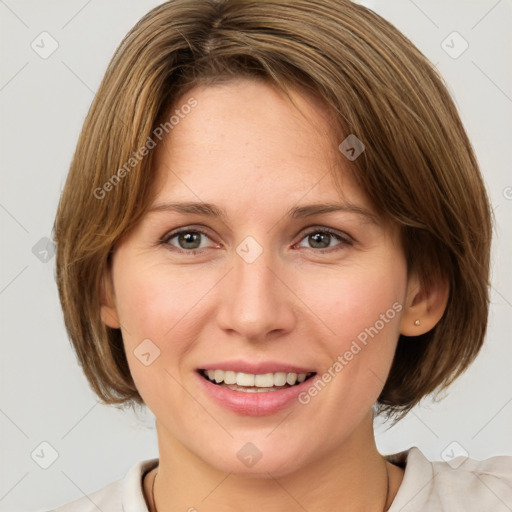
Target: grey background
43,395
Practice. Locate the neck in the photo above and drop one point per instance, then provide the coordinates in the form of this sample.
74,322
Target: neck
353,478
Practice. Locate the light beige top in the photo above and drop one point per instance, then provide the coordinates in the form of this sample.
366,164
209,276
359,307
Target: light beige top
427,486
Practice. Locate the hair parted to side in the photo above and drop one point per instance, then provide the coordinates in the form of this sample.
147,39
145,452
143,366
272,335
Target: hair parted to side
418,168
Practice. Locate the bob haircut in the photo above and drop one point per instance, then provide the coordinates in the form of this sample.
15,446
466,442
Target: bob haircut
418,167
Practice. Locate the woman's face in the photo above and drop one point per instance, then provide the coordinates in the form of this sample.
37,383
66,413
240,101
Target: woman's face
261,291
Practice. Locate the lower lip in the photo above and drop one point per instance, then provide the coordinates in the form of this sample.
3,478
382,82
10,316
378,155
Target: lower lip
255,404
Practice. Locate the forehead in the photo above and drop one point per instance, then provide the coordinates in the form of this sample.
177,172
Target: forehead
245,144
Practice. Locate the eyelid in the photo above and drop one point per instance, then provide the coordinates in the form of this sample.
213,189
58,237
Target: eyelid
324,229
184,229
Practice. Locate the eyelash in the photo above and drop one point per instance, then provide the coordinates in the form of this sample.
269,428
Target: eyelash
345,240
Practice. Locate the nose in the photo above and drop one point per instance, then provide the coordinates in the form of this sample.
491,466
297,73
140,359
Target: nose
257,300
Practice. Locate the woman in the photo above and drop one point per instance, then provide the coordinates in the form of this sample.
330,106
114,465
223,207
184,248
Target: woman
274,227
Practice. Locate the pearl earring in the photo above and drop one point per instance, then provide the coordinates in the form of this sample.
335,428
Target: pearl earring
417,322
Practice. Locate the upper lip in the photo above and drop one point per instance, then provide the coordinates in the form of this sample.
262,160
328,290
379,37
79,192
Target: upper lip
257,368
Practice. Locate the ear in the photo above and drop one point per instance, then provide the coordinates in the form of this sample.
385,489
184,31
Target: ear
424,306
108,309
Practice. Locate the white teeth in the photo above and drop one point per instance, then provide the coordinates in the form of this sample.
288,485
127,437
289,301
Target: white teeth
291,378
229,377
243,379
280,379
265,380
250,389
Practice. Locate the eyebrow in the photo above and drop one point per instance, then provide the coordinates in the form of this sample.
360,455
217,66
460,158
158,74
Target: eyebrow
299,212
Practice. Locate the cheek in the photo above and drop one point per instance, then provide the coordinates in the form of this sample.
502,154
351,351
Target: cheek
355,301
153,302
363,311
154,310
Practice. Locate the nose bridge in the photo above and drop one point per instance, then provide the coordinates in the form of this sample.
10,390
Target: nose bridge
257,302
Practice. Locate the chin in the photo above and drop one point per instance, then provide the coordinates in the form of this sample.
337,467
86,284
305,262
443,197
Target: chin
255,459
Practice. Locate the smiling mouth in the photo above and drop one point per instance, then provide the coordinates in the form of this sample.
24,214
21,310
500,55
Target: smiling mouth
255,383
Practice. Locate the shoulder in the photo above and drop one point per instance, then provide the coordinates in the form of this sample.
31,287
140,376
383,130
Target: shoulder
456,484
123,495
107,498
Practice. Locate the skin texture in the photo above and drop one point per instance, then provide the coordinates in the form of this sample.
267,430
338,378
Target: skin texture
247,149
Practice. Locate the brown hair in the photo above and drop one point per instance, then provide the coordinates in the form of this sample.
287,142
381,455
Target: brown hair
418,168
